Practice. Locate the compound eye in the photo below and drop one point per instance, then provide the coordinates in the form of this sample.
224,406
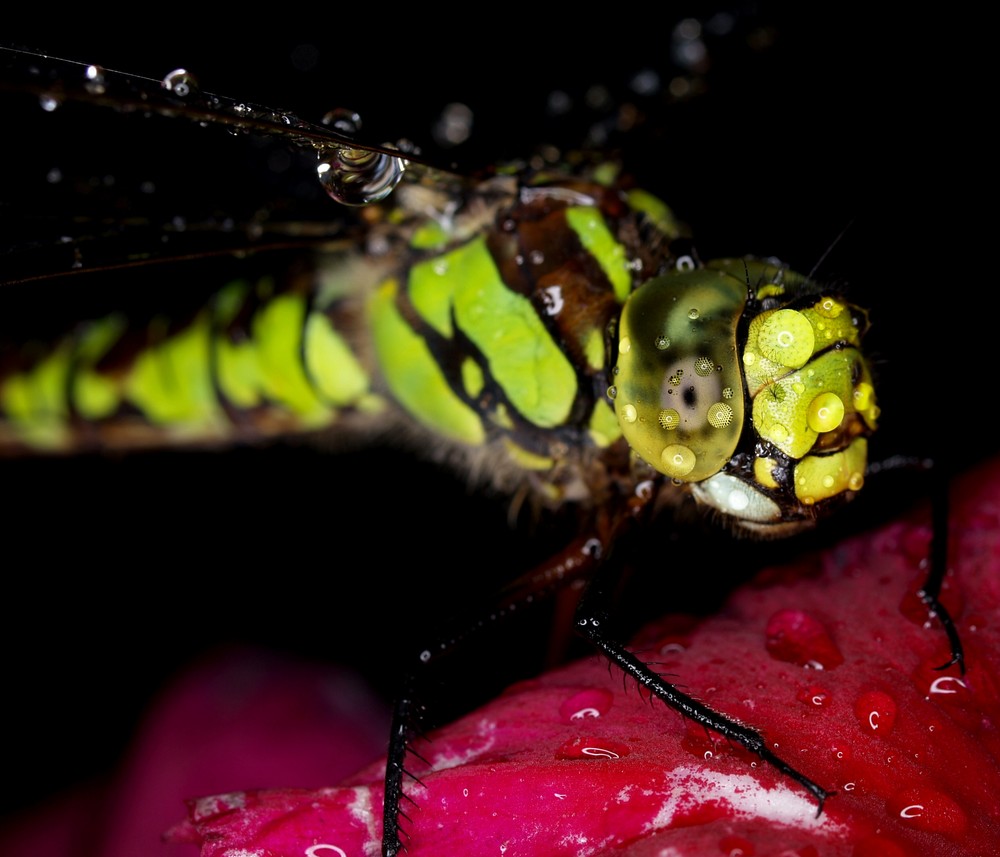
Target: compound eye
678,386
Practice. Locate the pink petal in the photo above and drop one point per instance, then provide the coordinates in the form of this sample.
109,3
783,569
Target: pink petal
827,658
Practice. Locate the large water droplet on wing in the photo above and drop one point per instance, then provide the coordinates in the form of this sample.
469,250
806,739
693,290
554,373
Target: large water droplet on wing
358,176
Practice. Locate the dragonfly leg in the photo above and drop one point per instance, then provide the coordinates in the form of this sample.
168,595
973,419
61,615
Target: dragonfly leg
573,563
931,591
593,623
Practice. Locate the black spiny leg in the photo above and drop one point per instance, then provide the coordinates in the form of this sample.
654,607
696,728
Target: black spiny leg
592,622
573,563
931,592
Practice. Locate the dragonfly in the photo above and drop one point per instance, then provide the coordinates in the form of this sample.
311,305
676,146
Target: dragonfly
744,195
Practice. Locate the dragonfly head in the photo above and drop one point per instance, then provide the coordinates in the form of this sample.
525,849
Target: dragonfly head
747,382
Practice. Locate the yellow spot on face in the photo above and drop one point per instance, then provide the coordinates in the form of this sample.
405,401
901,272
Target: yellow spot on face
669,419
720,415
829,308
763,471
628,413
677,460
779,434
826,412
863,394
786,337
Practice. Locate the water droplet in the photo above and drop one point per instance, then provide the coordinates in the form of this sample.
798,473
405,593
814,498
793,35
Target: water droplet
826,412
928,809
628,413
778,433
703,366
814,695
343,121
181,83
625,346
693,313
662,342
588,747
95,81
359,177
612,391
875,710
796,637
455,125
720,415
585,705
786,337
677,460
736,846
48,102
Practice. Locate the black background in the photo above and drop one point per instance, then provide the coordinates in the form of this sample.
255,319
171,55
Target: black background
120,571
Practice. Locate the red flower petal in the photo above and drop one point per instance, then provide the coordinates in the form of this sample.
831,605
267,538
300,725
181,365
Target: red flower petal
829,666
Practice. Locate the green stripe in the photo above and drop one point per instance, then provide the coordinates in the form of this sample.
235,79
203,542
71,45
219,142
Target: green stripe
532,370
331,364
170,381
277,333
413,375
589,226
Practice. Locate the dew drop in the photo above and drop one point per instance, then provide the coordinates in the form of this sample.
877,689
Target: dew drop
48,102
928,809
95,81
343,121
181,83
720,415
669,419
628,413
677,460
875,710
612,391
662,343
359,177
625,346
796,637
694,314
703,366
585,705
736,846
588,747
455,125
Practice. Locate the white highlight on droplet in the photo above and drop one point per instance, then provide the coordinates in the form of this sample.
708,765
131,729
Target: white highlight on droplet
942,684
314,850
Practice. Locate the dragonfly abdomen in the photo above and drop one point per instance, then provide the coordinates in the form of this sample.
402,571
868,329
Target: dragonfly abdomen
481,322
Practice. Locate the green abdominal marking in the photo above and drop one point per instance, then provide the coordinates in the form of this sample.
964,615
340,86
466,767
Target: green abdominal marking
542,319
